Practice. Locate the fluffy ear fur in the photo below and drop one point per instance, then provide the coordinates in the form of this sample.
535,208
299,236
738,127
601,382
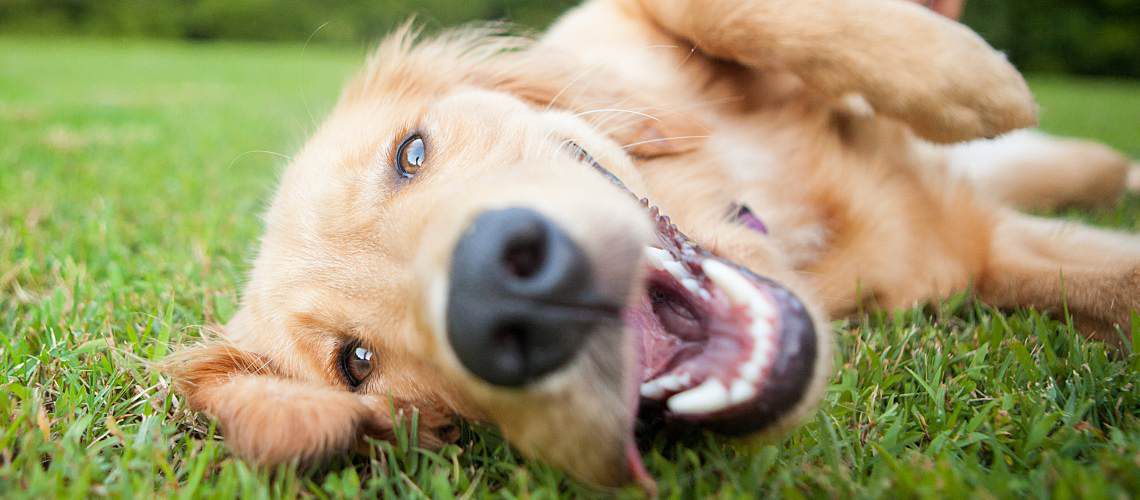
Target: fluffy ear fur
270,419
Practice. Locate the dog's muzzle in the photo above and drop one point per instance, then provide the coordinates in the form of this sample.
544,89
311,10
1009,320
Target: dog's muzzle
521,301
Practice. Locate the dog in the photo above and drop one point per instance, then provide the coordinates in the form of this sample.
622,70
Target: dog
649,214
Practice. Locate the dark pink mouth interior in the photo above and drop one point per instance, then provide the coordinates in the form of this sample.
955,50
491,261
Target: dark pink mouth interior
683,333
706,329
720,348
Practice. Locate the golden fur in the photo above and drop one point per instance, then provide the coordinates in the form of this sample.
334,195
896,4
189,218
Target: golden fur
821,116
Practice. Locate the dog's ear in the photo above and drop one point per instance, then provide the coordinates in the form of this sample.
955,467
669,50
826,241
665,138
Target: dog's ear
646,126
270,419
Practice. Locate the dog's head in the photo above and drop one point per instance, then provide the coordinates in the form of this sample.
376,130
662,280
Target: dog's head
456,240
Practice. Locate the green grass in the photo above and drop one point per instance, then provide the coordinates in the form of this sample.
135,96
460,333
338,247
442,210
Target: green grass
132,175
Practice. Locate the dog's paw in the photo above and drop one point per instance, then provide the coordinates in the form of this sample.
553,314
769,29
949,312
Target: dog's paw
950,86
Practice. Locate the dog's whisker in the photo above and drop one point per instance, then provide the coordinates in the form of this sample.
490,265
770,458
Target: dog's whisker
692,51
582,74
617,110
300,89
666,139
242,155
619,106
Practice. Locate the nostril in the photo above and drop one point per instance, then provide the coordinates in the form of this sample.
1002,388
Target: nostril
525,253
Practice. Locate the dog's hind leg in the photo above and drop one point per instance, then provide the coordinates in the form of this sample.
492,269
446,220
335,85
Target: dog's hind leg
906,61
1058,266
1030,170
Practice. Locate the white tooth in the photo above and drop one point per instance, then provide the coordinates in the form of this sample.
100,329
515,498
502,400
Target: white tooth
705,294
657,387
692,285
706,398
657,257
652,390
759,356
741,391
677,382
750,370
761,330
669,382
739,290
763,309
676,269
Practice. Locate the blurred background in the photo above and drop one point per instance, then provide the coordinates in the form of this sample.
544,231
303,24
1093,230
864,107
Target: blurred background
1087,37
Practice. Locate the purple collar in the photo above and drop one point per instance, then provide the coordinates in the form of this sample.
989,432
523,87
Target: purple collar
744,215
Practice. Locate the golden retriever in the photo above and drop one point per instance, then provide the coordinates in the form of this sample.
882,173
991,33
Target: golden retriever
649,213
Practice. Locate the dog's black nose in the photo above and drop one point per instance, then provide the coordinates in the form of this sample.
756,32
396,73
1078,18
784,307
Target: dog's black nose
521,302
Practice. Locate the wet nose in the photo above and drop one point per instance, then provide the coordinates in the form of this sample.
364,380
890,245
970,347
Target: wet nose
521,301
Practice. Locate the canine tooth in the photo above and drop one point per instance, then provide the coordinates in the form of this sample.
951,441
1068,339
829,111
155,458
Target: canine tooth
741,391
705,295
708,397
658,257
739,290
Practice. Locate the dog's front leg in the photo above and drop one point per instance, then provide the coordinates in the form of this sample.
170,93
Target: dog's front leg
908,62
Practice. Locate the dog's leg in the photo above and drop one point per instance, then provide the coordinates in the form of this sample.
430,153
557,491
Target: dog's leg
906,61
1030,170
1056,266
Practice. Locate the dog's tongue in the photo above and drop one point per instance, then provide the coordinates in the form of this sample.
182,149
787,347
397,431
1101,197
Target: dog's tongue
637,471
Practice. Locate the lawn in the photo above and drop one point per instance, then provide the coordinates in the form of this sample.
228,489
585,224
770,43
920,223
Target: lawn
132,175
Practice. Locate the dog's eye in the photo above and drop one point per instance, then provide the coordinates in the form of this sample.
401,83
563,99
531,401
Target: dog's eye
410,156
355,364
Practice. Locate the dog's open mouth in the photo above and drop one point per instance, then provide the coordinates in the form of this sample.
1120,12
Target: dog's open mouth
720,348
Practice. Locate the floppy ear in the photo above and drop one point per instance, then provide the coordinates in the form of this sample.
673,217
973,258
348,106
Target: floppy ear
270,419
